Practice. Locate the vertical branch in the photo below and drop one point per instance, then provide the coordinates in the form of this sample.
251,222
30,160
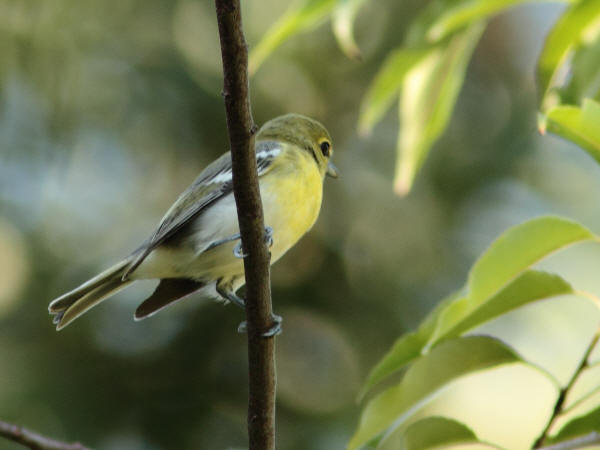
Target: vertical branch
261,359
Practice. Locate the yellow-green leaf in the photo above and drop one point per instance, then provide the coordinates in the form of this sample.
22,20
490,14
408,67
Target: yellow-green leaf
386,86
424,379
305,16
519,248
436,432
428,97
342,22
468,312
579,125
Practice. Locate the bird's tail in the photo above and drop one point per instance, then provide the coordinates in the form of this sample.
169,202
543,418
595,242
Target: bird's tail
71,305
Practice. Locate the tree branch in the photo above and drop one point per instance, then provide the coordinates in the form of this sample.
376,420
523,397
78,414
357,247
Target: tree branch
33,440
261,351
562,395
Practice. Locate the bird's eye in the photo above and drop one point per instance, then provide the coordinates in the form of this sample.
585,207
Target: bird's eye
325,147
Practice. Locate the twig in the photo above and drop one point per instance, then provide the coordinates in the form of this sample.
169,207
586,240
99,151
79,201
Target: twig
562,395
261,351
578,442
583,398
33,440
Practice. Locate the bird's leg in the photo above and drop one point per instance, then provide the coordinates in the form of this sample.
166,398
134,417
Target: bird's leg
238,252
231,296
233,237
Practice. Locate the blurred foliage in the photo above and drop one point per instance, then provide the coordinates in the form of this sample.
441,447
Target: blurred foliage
427,74
109,109
427,71
569,104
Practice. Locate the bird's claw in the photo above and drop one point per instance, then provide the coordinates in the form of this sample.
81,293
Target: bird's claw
269,236
274,330
238,251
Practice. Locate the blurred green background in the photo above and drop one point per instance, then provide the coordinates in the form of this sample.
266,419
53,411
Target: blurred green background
109,109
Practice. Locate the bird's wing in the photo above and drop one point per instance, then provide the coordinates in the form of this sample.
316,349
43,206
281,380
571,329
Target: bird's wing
213,183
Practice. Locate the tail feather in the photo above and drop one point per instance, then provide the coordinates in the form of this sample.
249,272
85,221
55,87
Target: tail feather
73,304
168,291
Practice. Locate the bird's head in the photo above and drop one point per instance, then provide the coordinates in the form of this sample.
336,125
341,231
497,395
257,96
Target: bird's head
306,134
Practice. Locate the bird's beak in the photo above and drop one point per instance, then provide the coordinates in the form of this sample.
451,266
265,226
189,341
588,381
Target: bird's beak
332,171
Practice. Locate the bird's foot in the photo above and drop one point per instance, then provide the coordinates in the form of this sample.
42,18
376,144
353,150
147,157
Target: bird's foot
274,330
269,236
231,296
238,252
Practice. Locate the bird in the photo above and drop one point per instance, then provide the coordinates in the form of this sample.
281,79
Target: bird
196,247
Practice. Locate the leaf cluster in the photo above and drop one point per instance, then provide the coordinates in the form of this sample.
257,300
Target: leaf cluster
423,75
438,353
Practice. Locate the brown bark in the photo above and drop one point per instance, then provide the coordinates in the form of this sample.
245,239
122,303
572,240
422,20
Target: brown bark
562,395
261,351
33,440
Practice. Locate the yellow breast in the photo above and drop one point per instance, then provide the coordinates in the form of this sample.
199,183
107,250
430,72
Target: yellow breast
291,194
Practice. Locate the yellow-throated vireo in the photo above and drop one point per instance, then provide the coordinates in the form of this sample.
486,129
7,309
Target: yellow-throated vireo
196,246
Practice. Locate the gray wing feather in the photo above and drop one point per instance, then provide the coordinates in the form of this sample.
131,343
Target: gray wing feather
213,183
171,223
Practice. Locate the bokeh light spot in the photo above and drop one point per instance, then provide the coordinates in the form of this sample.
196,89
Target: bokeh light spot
317,368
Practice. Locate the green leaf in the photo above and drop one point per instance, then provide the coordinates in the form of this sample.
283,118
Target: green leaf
408,347
520,247
580,426
424,379
386,86
433,432
428,96
569,32
580,125
459,14
468,312
343,26
303,17
499,281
